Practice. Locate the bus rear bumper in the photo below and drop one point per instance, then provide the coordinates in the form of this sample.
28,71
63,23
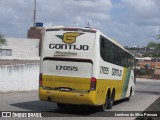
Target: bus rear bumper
68,97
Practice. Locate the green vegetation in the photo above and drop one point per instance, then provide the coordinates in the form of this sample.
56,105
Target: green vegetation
155,47
158,37
2,40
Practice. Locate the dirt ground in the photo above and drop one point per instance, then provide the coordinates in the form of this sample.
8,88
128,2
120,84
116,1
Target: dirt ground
15,62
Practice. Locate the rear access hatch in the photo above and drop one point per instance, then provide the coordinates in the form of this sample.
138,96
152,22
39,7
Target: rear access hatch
67,74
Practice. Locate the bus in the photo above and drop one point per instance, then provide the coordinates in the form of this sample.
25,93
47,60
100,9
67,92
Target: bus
82,66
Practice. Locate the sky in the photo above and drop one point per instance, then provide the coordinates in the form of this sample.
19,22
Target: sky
130,22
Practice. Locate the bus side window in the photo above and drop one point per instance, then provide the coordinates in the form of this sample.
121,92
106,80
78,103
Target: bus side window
112,54
102,42
131,62
105,49
102,47
119,56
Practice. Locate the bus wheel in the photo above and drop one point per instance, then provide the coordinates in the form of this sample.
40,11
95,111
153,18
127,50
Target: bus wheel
130,94
61,105
105,105
111,101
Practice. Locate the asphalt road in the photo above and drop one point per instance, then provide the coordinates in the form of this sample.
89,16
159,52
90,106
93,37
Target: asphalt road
146,98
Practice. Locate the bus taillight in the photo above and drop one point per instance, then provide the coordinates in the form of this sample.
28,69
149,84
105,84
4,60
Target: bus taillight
93,83
40,79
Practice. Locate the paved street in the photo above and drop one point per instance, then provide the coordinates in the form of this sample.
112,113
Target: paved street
145,98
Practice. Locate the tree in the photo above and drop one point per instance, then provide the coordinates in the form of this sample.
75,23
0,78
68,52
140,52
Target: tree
2,40
158,37
155,47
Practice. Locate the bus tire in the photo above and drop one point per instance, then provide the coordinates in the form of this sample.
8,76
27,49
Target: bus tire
104,106
108,101
130,94
61,105
111,100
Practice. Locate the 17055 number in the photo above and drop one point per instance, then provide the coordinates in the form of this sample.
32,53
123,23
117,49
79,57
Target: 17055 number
66,68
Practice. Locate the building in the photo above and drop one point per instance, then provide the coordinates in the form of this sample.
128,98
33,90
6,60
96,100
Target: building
20,47
36,33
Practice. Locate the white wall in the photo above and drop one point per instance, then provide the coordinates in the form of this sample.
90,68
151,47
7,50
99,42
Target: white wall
22,47
19,77
19,58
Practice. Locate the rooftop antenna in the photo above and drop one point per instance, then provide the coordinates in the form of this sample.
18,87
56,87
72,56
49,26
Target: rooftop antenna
34,16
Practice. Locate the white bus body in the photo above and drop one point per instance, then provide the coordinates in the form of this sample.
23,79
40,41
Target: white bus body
83,66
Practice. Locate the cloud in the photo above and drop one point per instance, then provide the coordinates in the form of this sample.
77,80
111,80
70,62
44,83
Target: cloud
72,11
15,17
135,22
143,12
18,14
127,21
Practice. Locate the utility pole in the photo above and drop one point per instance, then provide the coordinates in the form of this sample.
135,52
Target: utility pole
156,58
88,24
34,14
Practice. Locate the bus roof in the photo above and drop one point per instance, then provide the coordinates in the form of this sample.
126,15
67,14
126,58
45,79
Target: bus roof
62,28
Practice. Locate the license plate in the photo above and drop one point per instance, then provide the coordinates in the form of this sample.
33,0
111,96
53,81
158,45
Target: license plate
65,89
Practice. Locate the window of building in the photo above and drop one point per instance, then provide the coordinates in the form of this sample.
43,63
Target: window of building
5,52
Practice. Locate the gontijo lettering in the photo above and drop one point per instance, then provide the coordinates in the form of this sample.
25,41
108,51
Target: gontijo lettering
68,47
